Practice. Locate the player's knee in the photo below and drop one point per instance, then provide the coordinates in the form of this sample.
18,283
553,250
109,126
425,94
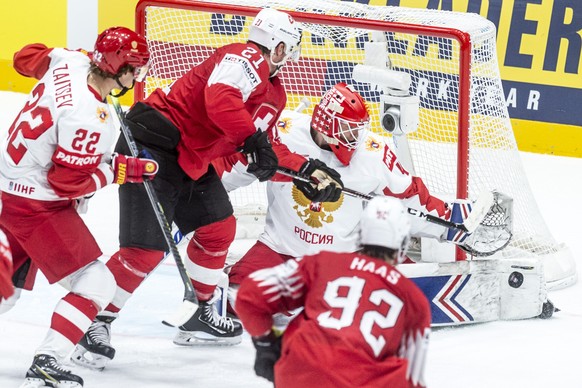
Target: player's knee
96,283
138,261
216,236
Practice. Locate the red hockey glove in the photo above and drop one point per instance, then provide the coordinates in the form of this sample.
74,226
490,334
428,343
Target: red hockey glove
128,169
6,286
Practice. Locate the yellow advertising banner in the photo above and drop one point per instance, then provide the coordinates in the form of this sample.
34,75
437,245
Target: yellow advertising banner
539,47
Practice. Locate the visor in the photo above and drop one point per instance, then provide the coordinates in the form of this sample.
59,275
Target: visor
295,53
140,72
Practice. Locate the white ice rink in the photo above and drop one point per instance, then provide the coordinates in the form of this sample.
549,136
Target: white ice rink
532,353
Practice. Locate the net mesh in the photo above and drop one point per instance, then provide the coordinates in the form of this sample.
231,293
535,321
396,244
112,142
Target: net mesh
412,41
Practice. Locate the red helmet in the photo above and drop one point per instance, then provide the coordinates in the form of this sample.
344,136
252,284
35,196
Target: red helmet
120,46
339,116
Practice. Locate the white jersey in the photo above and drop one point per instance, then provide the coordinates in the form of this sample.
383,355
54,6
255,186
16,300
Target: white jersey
296,226
63,122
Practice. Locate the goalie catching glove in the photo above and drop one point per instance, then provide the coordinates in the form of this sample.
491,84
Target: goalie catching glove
128,169
263,161
326,186
493,217
268,352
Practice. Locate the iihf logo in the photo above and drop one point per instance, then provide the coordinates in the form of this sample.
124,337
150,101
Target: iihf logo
11,185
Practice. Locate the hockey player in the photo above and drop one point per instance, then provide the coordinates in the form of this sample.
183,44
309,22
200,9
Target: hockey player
363,323
222,105
337,135
59,150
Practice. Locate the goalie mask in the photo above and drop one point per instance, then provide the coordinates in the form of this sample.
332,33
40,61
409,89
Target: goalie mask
385,223
272,27
120,46
339,117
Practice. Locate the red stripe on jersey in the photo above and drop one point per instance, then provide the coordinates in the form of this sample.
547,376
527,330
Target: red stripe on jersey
75,160
417,187
101,178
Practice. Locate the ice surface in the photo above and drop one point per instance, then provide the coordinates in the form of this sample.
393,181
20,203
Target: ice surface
532,353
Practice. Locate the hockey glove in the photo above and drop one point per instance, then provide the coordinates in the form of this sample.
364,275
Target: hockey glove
494,231
128,169
264,161
268,352
6,286
326,186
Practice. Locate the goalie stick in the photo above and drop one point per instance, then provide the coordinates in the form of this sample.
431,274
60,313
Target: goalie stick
479,209
190,302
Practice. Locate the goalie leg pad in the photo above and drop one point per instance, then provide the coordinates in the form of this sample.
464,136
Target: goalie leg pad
480,290
522,288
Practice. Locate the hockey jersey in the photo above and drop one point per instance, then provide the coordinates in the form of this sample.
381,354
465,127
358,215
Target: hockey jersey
56,145
363,324
296,226
219,103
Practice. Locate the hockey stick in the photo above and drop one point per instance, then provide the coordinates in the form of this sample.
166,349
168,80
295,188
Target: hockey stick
479,208
190,302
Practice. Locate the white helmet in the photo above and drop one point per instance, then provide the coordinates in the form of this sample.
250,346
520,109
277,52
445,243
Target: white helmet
272,27
385,223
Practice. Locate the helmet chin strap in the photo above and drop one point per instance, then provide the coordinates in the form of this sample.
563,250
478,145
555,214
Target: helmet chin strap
123,89
279,64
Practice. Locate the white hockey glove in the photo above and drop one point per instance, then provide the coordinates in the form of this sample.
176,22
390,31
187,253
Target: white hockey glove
493,229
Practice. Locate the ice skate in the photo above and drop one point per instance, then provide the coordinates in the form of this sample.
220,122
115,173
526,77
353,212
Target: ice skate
207,327
94,350
45,371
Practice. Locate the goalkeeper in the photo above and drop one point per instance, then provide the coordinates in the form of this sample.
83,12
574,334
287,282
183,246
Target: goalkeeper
336,134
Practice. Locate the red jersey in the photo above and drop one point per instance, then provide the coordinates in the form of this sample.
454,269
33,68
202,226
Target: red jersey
219,103
363,324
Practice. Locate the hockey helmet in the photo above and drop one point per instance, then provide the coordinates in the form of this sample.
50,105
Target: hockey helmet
120,46
339,116
271,27
385,223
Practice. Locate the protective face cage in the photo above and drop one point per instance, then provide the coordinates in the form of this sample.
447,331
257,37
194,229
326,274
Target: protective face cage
340,117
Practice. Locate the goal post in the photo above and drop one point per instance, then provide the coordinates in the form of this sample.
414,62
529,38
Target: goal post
464,142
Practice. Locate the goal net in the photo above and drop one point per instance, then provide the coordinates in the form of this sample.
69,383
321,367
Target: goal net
464,143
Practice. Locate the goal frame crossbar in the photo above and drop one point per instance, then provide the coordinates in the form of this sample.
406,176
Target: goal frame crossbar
463,38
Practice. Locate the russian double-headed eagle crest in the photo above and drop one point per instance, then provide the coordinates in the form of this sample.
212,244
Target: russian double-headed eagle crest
314,214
